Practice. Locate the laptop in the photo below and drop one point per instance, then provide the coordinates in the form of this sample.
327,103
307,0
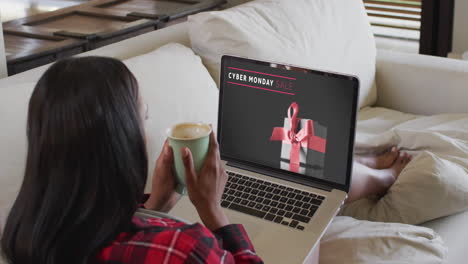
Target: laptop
286,135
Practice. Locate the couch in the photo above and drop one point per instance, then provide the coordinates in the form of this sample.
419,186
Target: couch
408,83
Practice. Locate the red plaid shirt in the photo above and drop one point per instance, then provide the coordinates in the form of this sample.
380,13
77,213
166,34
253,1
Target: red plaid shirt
160,240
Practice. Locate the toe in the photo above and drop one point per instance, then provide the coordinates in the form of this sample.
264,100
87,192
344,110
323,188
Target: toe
389,157
401,157
406,158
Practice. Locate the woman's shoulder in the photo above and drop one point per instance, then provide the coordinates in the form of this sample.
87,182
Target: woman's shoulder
161,229
151,239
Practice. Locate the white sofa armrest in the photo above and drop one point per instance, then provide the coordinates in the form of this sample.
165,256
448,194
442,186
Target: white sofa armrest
421,84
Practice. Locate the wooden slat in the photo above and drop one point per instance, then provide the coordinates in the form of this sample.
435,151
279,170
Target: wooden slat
42,16
26,31
395,26
395,17
105,13
416,3
411,2
22,45
393,10
162,9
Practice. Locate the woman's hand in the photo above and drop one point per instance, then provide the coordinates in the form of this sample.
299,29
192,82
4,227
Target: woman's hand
163,196
206,187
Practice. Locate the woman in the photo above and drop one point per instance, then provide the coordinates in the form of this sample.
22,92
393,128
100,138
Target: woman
86,171
85,175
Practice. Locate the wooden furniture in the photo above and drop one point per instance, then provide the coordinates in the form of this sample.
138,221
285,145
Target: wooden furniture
14,9
163,10
37,40
25,51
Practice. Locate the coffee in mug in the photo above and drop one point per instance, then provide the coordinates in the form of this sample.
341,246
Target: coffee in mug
189,131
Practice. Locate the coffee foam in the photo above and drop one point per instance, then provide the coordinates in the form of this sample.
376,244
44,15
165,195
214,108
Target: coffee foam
190,131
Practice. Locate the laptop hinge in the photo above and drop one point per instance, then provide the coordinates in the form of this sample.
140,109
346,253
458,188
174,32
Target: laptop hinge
279,175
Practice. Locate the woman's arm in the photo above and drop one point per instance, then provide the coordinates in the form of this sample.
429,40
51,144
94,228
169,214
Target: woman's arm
228,244
234,239
163,196
205,189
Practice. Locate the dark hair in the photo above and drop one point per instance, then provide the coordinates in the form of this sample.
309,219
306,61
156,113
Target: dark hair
86,166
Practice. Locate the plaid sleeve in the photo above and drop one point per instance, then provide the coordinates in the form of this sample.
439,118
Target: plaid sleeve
205,247
234,239
162,240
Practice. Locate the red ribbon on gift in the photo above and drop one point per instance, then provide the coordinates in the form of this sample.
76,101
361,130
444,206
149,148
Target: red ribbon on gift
304,138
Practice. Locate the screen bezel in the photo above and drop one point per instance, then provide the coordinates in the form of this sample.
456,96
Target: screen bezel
287,175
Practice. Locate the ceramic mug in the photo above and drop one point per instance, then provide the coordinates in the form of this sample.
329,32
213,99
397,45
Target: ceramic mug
196,137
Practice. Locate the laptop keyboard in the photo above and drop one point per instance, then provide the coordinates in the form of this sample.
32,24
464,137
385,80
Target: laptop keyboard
269,201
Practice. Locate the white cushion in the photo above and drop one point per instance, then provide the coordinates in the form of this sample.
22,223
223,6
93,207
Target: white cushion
177,88
332,35
348,240
453,231
414,83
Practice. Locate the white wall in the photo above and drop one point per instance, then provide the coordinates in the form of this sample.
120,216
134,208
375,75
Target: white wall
3,67
460,28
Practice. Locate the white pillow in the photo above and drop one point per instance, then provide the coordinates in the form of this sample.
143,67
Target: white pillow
348,240
14,101
330,35
428,188
177,88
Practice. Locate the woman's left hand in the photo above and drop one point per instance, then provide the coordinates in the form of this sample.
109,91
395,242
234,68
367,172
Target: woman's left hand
163,196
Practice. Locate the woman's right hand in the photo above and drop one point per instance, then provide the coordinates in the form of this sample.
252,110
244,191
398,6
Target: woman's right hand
206,187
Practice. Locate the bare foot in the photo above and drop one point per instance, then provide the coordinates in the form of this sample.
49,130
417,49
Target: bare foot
381,161
387,177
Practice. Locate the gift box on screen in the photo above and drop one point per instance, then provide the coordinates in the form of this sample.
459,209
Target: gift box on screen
303,144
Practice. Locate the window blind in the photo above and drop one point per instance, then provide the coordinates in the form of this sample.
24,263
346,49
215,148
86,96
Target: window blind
399,19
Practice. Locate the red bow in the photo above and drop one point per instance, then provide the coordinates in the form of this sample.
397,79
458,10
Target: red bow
304,138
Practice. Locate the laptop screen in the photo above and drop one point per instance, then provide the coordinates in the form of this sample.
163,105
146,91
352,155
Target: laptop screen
294,120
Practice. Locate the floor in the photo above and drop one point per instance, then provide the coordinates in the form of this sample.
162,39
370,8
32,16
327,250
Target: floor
13,9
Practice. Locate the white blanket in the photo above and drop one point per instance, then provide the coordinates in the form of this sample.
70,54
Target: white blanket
434,184
445,134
